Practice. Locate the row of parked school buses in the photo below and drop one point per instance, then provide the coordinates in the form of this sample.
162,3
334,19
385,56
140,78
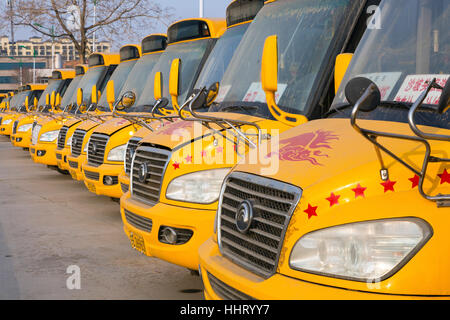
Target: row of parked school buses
295,150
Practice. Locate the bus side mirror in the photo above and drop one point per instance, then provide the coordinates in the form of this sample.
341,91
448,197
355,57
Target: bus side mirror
127,101
35,102
213,91
174,82
342,62
94,94
79,96
157,86
355,90
110,95
269,81
58,99
269,66
444,101
26,103
47,99
52,100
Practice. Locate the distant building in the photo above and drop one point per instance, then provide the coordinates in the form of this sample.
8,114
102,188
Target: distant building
17,59
64,47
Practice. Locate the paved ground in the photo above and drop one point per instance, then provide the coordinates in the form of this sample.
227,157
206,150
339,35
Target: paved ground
48,222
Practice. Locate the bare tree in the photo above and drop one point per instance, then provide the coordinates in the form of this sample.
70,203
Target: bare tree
114,20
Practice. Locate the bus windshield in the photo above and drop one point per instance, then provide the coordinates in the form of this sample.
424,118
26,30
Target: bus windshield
140,74
53,85
119,77
411,48
70,96
220,56
18,100
191,54
307,31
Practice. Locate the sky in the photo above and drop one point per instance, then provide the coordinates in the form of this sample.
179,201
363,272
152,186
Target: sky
182,9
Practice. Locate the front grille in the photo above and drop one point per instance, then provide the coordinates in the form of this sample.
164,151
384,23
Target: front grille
62,137
35,133
183,235
226,292
131,149
96,149
257,249
156,160
58,156
14,128
77,142
142,223
73,165
92,175
124,187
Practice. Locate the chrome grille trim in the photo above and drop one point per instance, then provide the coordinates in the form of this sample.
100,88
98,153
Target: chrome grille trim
157,160
76,147
101,140
62,137
35,133
141,223
226,292
257,250
131,149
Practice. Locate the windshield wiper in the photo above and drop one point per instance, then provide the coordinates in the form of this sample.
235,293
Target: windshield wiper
243,108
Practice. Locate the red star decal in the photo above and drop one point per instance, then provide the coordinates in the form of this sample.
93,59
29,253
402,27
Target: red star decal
445,177
176,165
359,191
415,181
311,211
333,199
219,149
388,185
188,159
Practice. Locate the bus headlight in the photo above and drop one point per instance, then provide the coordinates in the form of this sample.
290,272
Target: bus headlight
198,187
362,251
117,153
49,136
25,127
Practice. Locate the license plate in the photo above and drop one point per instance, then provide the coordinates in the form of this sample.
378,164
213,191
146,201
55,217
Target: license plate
91,187
137,242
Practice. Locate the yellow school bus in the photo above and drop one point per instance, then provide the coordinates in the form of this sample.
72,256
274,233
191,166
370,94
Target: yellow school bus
129,54
191,40
179,193
18,106
151,48
44,144
239,16
358,208
60,80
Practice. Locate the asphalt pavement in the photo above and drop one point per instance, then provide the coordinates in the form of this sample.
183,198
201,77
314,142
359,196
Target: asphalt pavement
59,241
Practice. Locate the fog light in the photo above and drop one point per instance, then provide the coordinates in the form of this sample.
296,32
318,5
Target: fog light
40,153
18,139
110,180
169,235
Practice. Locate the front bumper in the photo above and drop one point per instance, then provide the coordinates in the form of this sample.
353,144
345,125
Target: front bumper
200,222
6,129
124,181
76,166
94,179
61,158
44,153
231,280
21,139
